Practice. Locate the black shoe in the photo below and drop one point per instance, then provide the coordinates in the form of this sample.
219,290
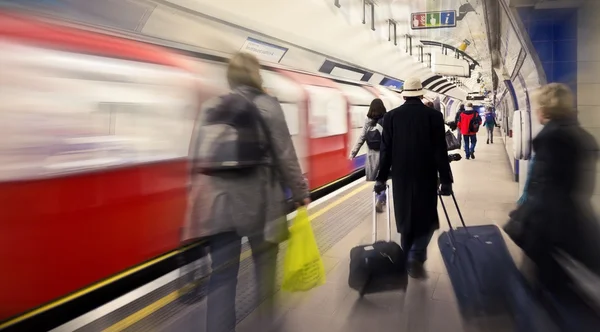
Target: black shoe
492,142
416,270
473,155
488,141
468,157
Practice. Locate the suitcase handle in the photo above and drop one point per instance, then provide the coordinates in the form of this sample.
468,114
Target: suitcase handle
451,237
387,212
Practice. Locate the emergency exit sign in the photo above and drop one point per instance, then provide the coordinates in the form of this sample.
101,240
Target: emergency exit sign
434,20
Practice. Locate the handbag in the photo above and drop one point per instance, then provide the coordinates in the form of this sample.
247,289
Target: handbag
451,141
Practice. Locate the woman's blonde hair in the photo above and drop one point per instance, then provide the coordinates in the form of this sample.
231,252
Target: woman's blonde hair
555,100
244,70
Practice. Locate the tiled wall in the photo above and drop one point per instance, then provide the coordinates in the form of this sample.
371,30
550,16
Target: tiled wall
588,75
553,33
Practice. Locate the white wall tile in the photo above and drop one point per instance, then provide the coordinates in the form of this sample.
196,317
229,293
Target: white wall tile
588,94
589,116
588,13
595,131
588,45
588,71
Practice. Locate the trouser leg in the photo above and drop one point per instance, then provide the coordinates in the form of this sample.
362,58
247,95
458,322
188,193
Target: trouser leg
473,143
225,255
466,144
264,255
418,249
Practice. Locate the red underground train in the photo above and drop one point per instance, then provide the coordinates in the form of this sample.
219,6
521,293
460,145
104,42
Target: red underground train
93,160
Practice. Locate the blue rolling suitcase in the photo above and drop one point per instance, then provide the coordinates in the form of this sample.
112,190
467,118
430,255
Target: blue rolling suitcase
479,266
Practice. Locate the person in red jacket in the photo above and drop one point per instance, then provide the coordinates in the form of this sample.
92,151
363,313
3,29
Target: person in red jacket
468,124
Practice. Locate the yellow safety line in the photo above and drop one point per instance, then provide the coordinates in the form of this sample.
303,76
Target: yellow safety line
148,310
87,290
111,279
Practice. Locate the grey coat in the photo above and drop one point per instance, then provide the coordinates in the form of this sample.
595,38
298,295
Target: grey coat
249,204
372,161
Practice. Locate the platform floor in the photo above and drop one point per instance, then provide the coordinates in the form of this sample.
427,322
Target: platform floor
486,193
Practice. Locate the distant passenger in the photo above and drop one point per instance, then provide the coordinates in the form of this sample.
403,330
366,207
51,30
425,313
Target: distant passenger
371,133
414,151
466,122
489,124
461,109
554,224
230,204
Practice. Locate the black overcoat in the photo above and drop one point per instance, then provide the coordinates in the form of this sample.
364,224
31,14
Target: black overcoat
414,147
557,213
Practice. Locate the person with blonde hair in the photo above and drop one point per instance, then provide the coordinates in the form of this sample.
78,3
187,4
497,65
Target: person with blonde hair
555,217
243,160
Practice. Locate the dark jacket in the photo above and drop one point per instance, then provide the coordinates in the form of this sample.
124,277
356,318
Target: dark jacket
557,214
457,116
414,147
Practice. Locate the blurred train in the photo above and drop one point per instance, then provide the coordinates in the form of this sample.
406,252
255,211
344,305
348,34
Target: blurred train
93,161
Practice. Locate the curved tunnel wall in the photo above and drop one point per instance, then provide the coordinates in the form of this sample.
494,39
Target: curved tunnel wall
560,45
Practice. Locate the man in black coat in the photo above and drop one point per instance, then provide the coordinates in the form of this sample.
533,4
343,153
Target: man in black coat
414,147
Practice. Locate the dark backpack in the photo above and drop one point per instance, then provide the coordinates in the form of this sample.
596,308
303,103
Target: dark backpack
373,136
229,135
475,123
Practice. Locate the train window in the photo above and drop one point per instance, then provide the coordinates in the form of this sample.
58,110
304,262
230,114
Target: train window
357,95
289,94
328,112
65,112
214,75
290,111
281,87
358,114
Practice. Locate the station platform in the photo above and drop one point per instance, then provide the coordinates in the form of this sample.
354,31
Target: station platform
486,192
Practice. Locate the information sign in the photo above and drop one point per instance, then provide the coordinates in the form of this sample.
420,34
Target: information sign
264,51
433,20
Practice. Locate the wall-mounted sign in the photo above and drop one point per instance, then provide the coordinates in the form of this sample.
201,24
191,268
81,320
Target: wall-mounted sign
392,83
434,20
264,51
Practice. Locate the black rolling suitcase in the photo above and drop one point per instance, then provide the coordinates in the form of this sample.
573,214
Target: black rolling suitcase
378,266
479,266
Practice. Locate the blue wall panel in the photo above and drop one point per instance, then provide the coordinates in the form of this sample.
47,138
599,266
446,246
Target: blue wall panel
553,33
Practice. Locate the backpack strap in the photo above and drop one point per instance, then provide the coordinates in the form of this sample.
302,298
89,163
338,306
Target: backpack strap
265,128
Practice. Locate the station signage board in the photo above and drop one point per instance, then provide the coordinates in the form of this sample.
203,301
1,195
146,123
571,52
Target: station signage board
264,51
433,20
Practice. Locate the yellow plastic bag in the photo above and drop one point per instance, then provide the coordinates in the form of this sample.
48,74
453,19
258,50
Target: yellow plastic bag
303,267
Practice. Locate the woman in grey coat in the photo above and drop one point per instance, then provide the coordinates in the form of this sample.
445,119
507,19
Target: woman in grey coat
373,122
227,206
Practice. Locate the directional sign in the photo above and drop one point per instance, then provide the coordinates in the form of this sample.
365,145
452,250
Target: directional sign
434,20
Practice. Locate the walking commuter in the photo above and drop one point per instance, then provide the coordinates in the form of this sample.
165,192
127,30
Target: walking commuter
414,151
228,204
468,124
371,134
461,109
555,217
489,124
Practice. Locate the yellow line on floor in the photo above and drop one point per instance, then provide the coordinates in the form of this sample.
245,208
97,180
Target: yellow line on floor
155,306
